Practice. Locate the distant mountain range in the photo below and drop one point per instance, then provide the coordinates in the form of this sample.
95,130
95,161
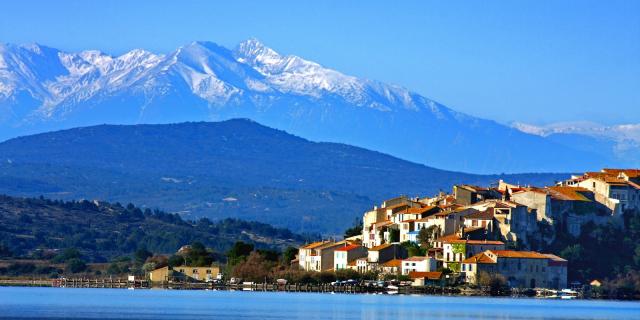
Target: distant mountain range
44,89
621,141
235,168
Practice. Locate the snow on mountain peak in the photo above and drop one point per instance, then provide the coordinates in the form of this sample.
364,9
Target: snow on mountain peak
211,72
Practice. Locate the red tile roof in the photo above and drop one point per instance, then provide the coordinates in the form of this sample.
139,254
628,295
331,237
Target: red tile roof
380,247
475,242
416,258
479,258
349,247
394,263
519,254
428,275
481,215
569,193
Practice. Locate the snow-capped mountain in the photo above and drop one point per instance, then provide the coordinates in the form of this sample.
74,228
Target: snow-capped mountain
43,89
622,141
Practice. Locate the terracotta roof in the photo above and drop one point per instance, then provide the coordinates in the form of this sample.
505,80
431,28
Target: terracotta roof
396,206
330,244
352,263
349,247
420,210
481,215
475,242
631,173
448,237
518,254
416,258
381,247
611,179
555,260
428,275
314,245
382,223
479,258
569,193
392,263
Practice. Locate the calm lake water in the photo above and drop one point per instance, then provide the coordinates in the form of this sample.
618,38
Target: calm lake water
61,303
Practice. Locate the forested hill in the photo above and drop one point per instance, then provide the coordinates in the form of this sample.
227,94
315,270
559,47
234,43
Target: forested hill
102,230
236,168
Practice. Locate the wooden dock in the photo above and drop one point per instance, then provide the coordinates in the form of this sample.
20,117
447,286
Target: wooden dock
121,283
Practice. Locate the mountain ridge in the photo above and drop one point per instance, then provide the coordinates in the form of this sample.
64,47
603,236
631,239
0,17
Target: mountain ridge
44,89
235,168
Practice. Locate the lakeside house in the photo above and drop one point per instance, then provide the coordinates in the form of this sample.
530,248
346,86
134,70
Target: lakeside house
185,273
457,250
318,256
521,269
419,264
348,254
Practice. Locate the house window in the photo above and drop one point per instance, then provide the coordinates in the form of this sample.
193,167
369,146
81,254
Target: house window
195,271
208,271
464,267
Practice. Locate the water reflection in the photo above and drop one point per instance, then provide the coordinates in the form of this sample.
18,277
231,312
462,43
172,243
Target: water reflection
57,303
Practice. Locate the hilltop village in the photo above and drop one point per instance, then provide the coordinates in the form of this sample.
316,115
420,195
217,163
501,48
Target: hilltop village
479,235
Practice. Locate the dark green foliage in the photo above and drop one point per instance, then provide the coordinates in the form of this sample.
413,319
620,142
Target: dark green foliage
413,249
600,252
66,255
394,235
238,251
289,254
234,168
356,230
75,265
141,255
427,235
197,255
114,269
4,251
102,231
269,255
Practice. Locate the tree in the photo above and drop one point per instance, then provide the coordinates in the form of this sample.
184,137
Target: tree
493,281
413,249
239,251
113,269
141,255
253,268
289,254
427,235
394,235
75,265
176,260
66,255
356,230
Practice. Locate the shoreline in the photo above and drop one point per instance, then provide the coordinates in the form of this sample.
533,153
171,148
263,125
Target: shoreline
292,288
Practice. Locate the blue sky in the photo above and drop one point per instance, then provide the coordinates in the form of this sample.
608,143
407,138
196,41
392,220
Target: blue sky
530,61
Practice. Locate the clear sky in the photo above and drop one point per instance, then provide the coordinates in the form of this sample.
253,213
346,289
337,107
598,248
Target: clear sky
531,61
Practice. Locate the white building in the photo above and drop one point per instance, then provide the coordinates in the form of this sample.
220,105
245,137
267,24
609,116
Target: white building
419,264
